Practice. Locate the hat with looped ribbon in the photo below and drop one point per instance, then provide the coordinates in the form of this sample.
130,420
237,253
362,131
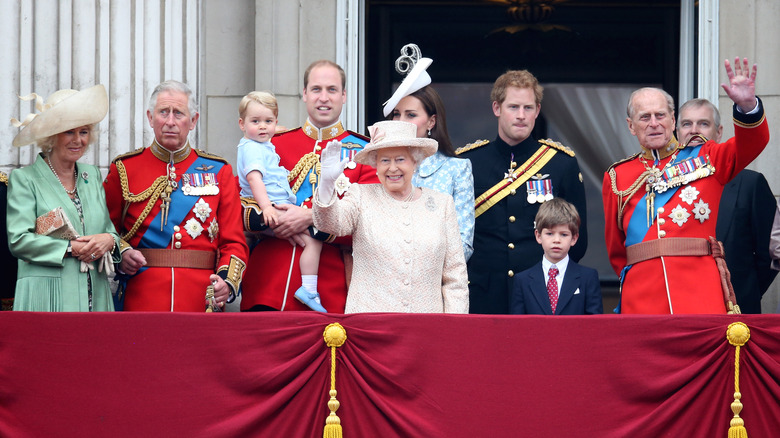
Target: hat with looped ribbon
394,133
62,111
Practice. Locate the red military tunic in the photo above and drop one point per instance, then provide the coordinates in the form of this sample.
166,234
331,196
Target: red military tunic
201,219
272,261
691,211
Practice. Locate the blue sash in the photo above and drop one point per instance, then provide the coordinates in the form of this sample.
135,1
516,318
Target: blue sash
180,206
352,145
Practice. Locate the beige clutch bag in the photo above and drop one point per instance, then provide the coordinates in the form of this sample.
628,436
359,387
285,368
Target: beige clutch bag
55,224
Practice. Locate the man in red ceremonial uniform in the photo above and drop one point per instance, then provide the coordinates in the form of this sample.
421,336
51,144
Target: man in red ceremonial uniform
274,274
179,214
661,205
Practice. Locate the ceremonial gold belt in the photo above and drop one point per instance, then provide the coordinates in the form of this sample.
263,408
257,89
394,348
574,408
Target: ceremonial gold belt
672,246
179,258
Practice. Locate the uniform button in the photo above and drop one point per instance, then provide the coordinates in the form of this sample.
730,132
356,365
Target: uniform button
662,233
512,219
660,210
177,236
511,245
405,303
304,206
512,192
407,260
406,222
307,199
318,148
177,245
406,282
405,206
661,221
408,240
511,273
176,228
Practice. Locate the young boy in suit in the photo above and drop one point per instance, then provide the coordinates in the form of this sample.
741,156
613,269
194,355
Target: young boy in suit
556,285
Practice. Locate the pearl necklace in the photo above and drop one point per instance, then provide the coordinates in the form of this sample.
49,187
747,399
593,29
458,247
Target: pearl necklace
75,179
408,198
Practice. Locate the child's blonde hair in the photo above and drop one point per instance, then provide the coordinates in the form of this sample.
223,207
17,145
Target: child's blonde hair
265,98
557,212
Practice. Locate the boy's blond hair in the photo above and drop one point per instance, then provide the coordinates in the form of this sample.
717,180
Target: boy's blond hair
265,98
557,212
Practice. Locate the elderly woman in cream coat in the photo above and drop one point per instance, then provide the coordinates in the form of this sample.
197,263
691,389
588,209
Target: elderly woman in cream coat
406,245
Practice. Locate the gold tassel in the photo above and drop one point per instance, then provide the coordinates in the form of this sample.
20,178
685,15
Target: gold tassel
334,337
737,334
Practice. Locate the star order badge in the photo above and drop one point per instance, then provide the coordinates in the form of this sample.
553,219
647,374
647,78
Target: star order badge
193,227
342,184
689,194
679,215
202,210
701,211
213,230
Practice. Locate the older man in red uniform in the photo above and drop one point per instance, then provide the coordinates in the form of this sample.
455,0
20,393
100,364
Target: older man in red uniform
661,205
274,274
179,214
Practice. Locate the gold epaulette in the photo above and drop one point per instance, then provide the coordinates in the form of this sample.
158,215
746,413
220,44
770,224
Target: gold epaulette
214,157
556,145
3,178
471,146
623,161
128,154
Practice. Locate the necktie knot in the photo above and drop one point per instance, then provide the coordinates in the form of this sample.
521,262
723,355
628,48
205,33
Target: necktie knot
553,272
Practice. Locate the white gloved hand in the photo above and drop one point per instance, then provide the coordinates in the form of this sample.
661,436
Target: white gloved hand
331,167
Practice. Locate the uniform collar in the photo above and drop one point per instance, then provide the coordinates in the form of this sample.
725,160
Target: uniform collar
325,133
167,156
660,154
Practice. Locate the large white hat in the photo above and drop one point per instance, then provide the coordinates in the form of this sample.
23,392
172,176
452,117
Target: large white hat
416,79
63,110
394,133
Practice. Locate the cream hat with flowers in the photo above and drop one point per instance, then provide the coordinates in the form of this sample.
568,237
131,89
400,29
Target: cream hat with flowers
391,134
63,110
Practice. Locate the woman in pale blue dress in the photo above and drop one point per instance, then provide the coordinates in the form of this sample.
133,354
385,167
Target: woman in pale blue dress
416,102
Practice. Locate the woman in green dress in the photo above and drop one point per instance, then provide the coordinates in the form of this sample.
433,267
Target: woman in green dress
60,271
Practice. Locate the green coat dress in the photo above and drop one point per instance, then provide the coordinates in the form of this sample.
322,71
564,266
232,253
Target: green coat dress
47,280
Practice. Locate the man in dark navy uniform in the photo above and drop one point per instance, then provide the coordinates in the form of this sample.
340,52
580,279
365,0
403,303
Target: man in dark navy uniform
513,175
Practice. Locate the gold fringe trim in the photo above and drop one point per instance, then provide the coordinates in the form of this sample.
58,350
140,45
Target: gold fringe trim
334,336
298,173
737,334
152,193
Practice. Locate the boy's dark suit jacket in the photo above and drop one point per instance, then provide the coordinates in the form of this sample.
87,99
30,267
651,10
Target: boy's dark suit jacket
580,293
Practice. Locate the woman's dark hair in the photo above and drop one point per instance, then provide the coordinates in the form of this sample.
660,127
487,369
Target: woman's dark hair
433,106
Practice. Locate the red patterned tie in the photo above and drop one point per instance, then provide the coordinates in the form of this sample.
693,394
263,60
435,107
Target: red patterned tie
552,287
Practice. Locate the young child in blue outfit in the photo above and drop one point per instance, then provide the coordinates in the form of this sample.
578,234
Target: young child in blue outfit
263,179
557,285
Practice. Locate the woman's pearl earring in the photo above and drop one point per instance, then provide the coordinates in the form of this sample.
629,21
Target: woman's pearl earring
429,133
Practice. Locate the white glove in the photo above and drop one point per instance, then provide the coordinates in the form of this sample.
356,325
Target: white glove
331,167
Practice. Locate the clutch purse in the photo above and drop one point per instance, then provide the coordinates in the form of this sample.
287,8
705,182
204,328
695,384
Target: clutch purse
55,223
